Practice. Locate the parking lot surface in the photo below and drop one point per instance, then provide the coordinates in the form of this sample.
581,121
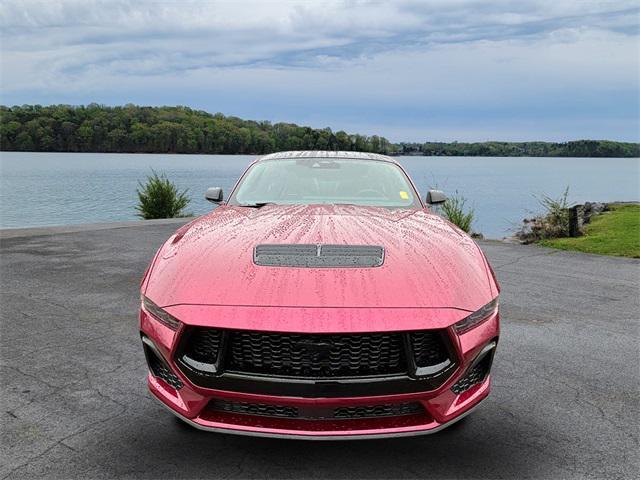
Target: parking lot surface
564,402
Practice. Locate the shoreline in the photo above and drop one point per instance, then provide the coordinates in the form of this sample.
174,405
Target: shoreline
43,231
262,154
9,234
19,232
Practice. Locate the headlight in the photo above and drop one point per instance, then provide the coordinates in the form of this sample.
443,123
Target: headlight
476,318
160,315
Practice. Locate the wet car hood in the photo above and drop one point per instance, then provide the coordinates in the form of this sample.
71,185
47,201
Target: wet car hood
427,262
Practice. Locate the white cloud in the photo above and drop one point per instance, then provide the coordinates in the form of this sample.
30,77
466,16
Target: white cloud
333,60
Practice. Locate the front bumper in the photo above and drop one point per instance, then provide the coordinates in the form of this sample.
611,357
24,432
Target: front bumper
297,434
439,408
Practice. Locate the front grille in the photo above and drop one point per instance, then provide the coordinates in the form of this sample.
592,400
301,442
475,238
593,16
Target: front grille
318,412
316,355
315,365
476,375
373,411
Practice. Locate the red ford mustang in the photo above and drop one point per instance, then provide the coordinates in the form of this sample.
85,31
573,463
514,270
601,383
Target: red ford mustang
322,300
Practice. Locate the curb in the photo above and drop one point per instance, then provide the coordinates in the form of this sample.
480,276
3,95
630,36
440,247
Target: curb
7,233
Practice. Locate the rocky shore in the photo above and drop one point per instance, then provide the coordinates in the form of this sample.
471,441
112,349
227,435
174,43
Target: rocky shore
567,222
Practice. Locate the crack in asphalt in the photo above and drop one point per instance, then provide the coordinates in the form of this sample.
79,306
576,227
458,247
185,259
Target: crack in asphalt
525,257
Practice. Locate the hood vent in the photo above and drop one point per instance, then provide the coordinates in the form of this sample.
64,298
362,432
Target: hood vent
318,256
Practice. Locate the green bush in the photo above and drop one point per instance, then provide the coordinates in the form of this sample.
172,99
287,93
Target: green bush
552,223
556,215
160,198
454,211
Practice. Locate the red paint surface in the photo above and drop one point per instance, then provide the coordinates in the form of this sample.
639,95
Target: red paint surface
426,260
433,275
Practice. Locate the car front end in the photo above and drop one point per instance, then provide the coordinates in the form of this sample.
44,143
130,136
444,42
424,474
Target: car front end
290,321
317,385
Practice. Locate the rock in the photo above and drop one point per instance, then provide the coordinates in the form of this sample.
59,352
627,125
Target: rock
540,227
589,209
512,239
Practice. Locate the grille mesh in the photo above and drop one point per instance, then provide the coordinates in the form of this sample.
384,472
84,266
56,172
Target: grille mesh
475,376
319,413
259,409
160,370
204,345
318,256
372,411
428,348
310,355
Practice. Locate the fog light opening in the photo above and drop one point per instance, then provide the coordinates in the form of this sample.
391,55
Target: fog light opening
158,366
477,371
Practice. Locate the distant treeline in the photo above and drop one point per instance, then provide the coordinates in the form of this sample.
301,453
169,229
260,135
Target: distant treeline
135,129
578,148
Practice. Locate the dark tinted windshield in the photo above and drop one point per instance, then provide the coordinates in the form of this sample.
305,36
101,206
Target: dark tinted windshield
326,181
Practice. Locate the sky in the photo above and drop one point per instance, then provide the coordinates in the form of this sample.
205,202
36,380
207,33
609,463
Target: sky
430,70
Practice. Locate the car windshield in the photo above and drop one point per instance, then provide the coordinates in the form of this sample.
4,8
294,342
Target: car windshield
325,181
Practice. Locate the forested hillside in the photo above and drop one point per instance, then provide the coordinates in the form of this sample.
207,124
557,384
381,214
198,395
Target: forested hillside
135,129
96,128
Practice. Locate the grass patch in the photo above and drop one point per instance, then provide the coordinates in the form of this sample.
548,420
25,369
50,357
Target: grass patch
616,232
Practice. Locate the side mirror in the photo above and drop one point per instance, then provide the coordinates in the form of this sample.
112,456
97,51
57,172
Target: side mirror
435,197
214,194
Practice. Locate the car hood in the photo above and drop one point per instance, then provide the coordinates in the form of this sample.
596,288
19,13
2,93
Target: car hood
427,262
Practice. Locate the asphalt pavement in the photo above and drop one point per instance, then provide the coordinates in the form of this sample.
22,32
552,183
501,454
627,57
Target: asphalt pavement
74,404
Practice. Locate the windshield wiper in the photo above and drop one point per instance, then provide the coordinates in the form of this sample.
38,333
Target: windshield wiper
256,204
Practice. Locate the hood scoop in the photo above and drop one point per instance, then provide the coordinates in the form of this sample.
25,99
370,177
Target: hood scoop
318,256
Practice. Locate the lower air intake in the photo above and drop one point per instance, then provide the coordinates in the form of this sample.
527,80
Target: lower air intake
259,409
318,412
476,375
374,411
159,368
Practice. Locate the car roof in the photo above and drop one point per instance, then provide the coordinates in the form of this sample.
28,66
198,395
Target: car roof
327,154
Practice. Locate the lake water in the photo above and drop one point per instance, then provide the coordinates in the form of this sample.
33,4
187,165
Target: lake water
38,189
